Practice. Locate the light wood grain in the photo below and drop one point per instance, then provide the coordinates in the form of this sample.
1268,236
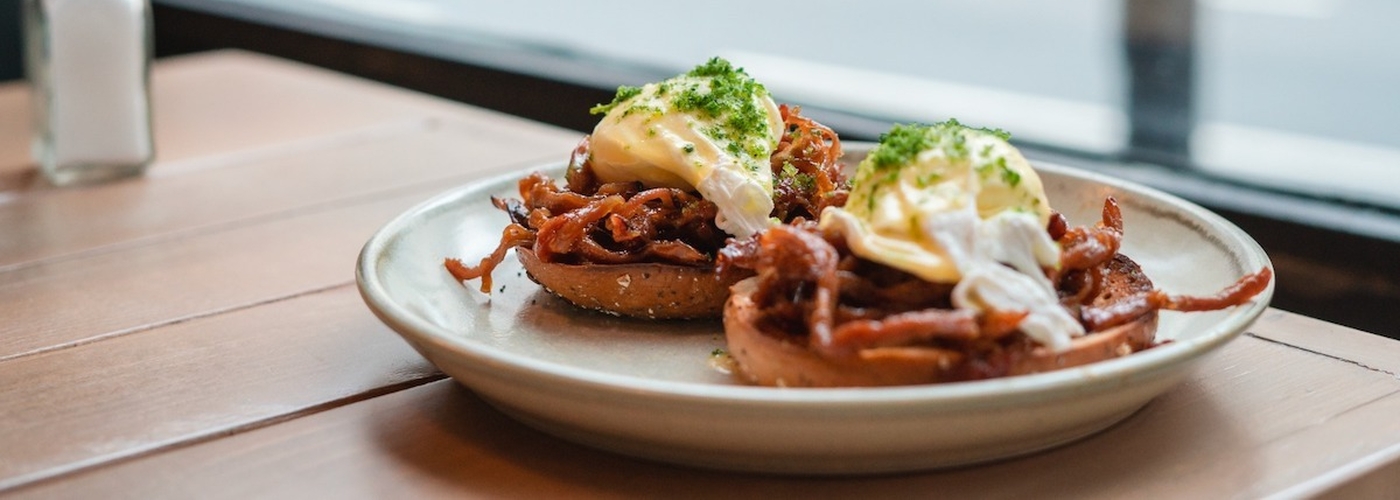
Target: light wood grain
207,250
286,128
1382,481
232,103
115,293
71,221
193,380
1360,446
1240,427
1328,339
283,102
214,293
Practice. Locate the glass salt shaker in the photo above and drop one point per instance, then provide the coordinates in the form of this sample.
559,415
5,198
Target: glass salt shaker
88,64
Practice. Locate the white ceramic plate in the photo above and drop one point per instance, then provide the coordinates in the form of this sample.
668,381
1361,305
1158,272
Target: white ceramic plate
649,389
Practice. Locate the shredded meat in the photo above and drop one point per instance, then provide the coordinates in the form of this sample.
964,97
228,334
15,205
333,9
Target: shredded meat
590,222
801,269
1098,317
1085,254
879,306
1091,254
1085,248
806,166
904,329
514,235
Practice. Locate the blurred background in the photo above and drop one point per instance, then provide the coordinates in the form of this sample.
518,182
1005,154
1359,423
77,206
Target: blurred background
1279,114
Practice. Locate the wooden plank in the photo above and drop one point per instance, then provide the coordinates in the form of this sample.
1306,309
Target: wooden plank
59,304
193,380
1329,339
231,101
233,108
1253,420
226,102
1204,437
1355,455
215,103
65,222
1383,481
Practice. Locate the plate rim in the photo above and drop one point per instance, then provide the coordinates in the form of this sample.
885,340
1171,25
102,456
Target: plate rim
996,392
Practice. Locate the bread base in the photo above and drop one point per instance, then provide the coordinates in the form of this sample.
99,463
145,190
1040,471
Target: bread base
653,291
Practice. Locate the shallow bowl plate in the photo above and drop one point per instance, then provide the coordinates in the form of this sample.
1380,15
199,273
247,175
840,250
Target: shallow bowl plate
653,389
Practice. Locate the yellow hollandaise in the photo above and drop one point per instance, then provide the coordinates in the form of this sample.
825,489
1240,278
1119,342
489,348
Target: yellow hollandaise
712,130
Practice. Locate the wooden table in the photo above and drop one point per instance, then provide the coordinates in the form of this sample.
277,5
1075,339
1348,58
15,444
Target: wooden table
197,332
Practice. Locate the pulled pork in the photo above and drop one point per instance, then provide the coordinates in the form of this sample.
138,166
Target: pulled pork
589,222
812,288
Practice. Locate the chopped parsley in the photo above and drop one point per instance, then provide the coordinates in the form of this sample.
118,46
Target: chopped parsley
623,93
725,97
1008,175
928,178
900,145
903,142
998,165
802,181
729,99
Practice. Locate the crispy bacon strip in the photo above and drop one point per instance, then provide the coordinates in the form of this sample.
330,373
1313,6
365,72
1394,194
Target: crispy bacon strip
1235,294
1084,248
1129,308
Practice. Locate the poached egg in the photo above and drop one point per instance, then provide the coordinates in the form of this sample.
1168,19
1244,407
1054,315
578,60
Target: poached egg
710,130
952,204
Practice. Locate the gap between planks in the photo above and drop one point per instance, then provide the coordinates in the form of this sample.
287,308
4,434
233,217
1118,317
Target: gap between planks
317,208
313,208
1325,355
173,321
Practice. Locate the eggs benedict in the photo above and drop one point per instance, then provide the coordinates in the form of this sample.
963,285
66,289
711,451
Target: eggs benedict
946,263
671,170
